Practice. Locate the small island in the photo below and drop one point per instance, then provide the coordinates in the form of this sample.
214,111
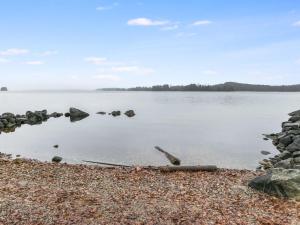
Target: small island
3,89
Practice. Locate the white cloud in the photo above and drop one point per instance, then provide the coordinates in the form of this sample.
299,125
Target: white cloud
95,60
202,22
14,51
50,52
298,61
296,24
34,63
209,72
107,77
3,61
103,8
146,22
172,27
132,69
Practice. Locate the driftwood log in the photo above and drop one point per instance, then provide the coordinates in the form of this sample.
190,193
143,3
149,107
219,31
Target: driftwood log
171,158
106,164
209,168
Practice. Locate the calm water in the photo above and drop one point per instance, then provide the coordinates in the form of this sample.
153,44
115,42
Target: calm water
200,128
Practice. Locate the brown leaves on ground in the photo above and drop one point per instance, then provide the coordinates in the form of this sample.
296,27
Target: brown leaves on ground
44,193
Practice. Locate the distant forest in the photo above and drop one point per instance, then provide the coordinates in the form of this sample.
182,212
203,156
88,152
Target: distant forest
228,86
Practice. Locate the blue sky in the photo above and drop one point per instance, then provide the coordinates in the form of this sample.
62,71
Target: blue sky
58,44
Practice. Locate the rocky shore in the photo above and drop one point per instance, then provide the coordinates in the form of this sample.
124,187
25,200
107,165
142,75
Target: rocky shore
283,170
33,192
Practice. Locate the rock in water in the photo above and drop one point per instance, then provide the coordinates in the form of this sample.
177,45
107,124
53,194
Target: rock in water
279,182
76,114
130,113
115,113
3,89
265,152
56,159
101,113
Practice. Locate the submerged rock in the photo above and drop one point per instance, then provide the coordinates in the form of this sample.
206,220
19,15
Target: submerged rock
129,113
57,159
76,114
279,182
265,152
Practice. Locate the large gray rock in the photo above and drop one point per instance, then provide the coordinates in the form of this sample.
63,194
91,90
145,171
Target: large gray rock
295,146
279,182
76,114
130,113
286,140
295,113
285,164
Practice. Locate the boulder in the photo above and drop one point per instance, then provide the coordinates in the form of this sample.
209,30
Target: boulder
286,140
285,155
57,159
279,182
296,154
56,115
294,119
7,115
295,113
76,114
285,164
3,89
130,113
101,113
295,146
67,114
115,113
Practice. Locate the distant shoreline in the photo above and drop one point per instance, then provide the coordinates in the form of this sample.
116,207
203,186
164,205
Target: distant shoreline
225,87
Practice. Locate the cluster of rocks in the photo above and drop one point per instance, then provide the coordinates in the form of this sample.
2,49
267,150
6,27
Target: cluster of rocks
283,170
129,113
9,121
287,143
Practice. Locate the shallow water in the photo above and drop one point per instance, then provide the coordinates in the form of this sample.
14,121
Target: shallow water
220,128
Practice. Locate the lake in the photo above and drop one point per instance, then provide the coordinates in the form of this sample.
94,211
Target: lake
221,128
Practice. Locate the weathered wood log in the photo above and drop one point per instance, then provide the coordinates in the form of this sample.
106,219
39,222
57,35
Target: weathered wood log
209,168
106,164
171,158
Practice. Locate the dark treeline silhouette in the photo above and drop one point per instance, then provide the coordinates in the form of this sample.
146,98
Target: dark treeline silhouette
228,86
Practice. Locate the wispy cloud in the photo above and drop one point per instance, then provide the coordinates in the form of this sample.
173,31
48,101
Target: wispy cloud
47,53
171,27
107,7
14,52
201,22
132,69
95,60
3,61
146,22
296,24
34,63
107,77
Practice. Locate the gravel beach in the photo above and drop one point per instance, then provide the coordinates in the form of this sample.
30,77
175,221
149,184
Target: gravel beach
33,192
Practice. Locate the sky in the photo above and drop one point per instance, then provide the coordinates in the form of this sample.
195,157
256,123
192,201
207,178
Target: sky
80,44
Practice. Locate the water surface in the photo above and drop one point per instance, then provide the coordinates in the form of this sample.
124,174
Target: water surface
222,128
